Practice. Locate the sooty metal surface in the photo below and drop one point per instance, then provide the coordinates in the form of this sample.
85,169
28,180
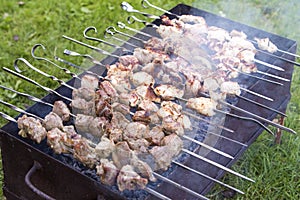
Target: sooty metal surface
67,170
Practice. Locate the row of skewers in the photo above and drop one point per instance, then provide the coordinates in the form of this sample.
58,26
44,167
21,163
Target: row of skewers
164,101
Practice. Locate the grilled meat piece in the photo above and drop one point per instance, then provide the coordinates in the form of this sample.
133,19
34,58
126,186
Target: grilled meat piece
148,105
174,143
116,135
107,171
202,105
128,60
104,148
89,81
81,106
103,109
169,108
85,93
110,90
119,76
171,125
146,92
32,128
136,130
163,155
168,92
142,168
130,180
56,140
132,99
140,78
192,19
82,123
97,126
142,116
230,87
156,135
266,44
119,107
119,121
84,153
52,120
72,136
62,110
139,145
122,154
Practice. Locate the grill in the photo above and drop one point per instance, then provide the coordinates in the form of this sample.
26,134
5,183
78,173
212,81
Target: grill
62,177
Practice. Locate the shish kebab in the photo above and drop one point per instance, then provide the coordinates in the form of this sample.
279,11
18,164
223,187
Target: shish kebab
211,162
234,70
246,70
132,19
263,43
60,125
239,88
59,81
81,43
64,113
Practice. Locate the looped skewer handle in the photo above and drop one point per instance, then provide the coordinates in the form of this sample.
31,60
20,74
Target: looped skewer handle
129,8
49,61
39,71
123,26
147,4
132,19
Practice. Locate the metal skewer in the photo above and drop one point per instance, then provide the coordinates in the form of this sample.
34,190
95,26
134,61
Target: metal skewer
146,4
40,72
35,83
126,6
158,175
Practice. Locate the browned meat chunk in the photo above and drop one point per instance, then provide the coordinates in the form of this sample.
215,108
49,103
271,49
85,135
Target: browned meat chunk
84,153
128,60
85,93
142,168
109,89
104,148
62,110
82,123
97,126
174,143
140,78
136,130
32,128
130,180
202,105
146,92
81,106
89,81
168,92
139,145
162,156
107,171
231,88
52,120
171,125
142,116
156,135
56,139
122,154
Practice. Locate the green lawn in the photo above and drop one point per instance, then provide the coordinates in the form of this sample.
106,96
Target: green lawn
23,24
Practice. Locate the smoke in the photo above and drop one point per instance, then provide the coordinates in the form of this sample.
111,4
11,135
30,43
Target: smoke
279,17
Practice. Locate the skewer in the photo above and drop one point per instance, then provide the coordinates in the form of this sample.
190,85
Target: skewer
90,46
179,186
49,61
221,136
35,83
246,90
237,116
100,40
30,97
68,52
217,165
208,177
126,6
258,117
40,72
161,196
146,4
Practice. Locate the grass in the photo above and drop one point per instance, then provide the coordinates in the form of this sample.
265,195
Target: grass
23,24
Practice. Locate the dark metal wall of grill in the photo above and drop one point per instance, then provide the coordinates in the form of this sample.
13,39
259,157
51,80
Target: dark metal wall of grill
64,178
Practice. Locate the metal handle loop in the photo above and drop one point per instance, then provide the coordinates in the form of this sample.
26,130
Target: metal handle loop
36,166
